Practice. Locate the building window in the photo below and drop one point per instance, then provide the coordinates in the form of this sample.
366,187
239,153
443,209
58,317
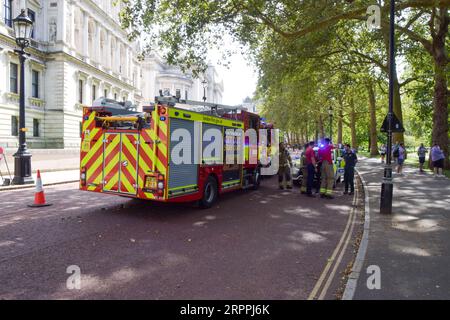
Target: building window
178,93
7,12
166,91
14,126
94,90
32,16
115,96
105,93
13,83
185,95
35,84
36,127
81,128
80,91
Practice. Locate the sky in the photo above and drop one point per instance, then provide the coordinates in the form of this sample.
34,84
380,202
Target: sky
239,79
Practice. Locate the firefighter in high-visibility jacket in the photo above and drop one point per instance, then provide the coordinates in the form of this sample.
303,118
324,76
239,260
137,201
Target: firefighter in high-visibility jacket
284,169
327,172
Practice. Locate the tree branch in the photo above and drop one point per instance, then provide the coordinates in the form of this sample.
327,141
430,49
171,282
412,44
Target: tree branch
353,14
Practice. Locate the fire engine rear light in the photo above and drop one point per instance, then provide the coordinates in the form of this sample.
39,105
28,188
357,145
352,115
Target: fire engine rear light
160,185
162,110
83,176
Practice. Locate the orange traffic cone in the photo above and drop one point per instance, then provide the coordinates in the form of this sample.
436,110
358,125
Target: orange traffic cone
39,197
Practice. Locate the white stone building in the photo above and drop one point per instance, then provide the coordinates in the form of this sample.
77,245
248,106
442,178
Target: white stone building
79,52
157,75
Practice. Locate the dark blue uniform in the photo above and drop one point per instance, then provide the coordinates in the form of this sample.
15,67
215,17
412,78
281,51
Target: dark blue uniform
350,159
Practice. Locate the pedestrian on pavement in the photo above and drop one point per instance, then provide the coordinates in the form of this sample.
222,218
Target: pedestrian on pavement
350,159
395,152
437,157
421,152
311,163
284,169
327,171
383,152
401,158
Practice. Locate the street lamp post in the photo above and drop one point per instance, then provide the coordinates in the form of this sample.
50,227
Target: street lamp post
23,27
387,185
204,90
330,115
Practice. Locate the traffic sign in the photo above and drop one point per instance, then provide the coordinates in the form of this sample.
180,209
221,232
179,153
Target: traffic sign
396,124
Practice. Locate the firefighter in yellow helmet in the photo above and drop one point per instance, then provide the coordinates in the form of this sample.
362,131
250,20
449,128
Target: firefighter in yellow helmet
327,171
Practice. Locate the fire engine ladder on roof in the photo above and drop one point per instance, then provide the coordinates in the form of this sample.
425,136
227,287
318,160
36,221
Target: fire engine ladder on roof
214,108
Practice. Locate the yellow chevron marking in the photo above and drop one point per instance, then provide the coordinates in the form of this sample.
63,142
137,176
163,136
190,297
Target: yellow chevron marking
112,164
163,127
91,152
88,122
112,181
163,149
124,182
93,168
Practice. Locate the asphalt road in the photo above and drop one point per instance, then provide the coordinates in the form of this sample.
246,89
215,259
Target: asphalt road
265,244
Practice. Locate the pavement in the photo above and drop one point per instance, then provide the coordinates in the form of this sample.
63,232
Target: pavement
48,179
56,166
264,244
411,246
46,160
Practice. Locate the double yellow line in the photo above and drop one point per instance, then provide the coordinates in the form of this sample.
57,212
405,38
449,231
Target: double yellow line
326,278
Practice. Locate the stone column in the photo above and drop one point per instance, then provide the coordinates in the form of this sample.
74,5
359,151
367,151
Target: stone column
61,26
71,39
97,51
118,58
127,62
108,50
85,34
2,21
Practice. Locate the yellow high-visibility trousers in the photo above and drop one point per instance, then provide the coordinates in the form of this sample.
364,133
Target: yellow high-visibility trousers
304,179
327,178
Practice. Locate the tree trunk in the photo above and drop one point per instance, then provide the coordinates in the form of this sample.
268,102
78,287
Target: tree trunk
397,136
339,125
373,145
353,124
317,132
440,112
321,127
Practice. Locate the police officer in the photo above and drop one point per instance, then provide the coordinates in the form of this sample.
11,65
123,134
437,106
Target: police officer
327,171
350,159
284,170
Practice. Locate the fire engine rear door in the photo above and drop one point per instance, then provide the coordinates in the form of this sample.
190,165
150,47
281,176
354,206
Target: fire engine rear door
128,163
111,162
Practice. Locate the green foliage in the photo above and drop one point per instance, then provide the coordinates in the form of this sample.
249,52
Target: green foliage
311,55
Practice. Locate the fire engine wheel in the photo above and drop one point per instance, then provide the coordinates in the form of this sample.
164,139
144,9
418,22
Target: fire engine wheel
209,193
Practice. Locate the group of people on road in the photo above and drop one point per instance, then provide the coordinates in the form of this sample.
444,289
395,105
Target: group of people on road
399,154
315,165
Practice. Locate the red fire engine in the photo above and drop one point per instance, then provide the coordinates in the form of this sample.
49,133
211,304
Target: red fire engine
128,153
